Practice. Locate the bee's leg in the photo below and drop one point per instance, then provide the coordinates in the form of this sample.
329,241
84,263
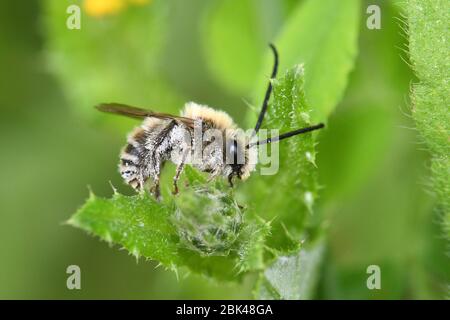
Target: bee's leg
230,181
176,177
155,189
179,170
213,175
140,186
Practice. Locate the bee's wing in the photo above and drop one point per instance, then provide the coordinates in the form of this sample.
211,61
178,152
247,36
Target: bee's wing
138,113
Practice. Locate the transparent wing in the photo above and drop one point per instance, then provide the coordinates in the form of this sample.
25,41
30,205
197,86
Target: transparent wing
138,113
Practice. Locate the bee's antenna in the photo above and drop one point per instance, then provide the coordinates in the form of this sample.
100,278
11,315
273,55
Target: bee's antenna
286,135
268,91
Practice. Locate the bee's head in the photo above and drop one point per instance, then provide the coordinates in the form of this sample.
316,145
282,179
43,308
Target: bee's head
238,159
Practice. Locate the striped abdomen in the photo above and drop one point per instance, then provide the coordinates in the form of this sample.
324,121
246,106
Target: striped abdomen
131,159
146,151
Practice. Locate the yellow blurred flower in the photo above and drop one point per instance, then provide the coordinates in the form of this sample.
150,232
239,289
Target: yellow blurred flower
139,2
100,8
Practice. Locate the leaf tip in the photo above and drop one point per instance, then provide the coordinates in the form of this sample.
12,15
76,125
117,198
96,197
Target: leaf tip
91,193
174,268
70,222
308,199
135,253
113,188
311,158
107,237
299,70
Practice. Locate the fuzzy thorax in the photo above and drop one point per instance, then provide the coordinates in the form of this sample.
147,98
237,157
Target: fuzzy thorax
218,119
222,121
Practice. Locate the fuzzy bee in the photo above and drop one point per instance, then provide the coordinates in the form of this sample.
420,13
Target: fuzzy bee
163,137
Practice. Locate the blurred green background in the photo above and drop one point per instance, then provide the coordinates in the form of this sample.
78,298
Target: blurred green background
372,165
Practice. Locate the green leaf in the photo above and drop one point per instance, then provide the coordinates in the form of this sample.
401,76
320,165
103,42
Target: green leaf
365,118
323,36
233,44
287,195
138,223
293,276
204,230
235,35
429,48
111,58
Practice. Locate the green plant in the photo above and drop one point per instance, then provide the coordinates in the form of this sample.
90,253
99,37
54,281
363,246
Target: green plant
205,229
380,176
279,232
92,66
428,47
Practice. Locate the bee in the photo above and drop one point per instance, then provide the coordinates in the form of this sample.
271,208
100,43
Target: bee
164,137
